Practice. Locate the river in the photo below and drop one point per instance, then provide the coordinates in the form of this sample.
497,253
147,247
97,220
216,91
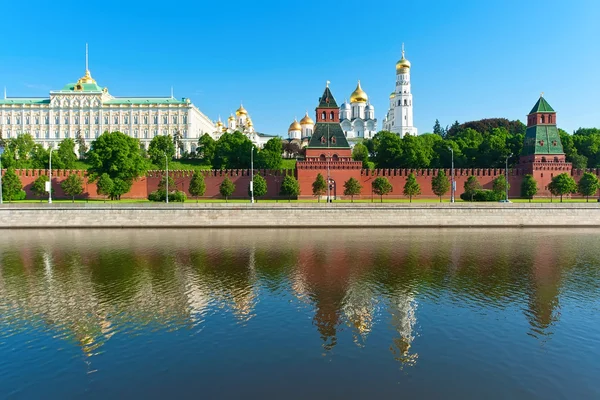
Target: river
300,313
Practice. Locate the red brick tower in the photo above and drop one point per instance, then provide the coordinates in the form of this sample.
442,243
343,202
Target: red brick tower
328,151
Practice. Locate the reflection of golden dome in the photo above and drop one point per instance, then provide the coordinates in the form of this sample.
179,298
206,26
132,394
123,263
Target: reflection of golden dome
241,111
307,120
359,95
295,126
392,95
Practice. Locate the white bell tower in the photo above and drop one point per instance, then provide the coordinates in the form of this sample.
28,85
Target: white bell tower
400,117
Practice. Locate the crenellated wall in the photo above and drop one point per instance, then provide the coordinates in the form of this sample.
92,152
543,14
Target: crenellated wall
306,174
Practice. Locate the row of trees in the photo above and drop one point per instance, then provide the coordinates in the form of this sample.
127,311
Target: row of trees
477,144
22,152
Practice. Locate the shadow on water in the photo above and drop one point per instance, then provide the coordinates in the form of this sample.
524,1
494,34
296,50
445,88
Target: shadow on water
90,287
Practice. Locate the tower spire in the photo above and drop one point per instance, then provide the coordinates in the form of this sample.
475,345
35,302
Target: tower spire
402,49
87,66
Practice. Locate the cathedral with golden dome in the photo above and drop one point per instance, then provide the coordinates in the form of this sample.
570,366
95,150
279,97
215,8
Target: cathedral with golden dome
357,118
399,118
241,122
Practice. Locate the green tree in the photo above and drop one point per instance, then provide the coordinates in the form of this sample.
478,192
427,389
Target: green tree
437,128
104,186
81,145
290,187
562,184
319,187
72,186
471,186
529,187
226,188
411,187
206,149
119,188
352,188
66,154
159,147
381,187
11,185
38,187
232,151
259,186
119,156
361,153
178,143
440,184
588,185
197,185
500,186
388,150
24,145
40,157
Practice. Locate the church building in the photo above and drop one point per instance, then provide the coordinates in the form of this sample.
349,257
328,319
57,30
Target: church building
358,117
241,122
399,118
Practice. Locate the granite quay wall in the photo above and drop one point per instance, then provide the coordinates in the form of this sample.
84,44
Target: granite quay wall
306,174
282,215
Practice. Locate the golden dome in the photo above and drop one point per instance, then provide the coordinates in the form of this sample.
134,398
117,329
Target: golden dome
392,95
249,122
295,126
307,120
87,78
403,63
231,118
359,95
241,111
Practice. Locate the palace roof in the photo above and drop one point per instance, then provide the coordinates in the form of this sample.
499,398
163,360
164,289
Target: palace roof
541,106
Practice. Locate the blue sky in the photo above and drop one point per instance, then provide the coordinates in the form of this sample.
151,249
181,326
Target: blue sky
470,59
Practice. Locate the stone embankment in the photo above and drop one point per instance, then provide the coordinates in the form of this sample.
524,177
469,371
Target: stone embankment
298,215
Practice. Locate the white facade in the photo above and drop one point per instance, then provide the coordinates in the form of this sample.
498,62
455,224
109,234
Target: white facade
358,118
399,118
86,109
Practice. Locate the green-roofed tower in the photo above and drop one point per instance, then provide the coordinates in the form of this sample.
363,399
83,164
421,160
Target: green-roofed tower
541,137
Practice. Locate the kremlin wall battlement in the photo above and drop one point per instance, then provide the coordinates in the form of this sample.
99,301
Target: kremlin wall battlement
306,176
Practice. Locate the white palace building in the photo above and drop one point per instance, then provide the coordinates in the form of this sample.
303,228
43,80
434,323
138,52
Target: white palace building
87,109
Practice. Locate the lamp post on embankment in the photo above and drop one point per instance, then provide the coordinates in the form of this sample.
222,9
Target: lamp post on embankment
453,185
1,152
506,174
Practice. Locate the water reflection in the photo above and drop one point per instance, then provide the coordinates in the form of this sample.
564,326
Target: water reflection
88,286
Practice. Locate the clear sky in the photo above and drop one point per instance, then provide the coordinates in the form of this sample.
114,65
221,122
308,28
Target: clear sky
471,59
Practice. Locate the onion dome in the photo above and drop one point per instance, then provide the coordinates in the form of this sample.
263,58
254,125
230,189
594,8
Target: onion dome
345,106
241,111
307,120
249,123
359,95
231,118
403,64
370,107
87,78
295,126
392,95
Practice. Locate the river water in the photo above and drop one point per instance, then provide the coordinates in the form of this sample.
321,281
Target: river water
340,313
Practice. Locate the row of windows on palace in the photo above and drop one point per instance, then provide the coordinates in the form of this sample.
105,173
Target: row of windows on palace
145,134
86,119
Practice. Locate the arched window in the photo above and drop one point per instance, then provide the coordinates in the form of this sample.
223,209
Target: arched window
542,119
322,157
543,159
556,159
324,116
335,157
405,102
331,115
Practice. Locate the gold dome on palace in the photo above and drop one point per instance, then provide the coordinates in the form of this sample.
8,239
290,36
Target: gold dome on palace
241,111
359,95
392,95
295,126
231,118
307,120
403,63
87,78
249,122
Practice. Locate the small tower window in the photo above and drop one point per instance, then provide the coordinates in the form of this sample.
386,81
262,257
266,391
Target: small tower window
324,116
405,102
542,119
331,115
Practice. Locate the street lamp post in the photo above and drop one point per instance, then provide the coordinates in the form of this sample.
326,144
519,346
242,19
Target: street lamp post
167,178
1,152
50,180
453,188
506,174
252,175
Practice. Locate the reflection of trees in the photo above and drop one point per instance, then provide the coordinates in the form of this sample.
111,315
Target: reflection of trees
88,292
